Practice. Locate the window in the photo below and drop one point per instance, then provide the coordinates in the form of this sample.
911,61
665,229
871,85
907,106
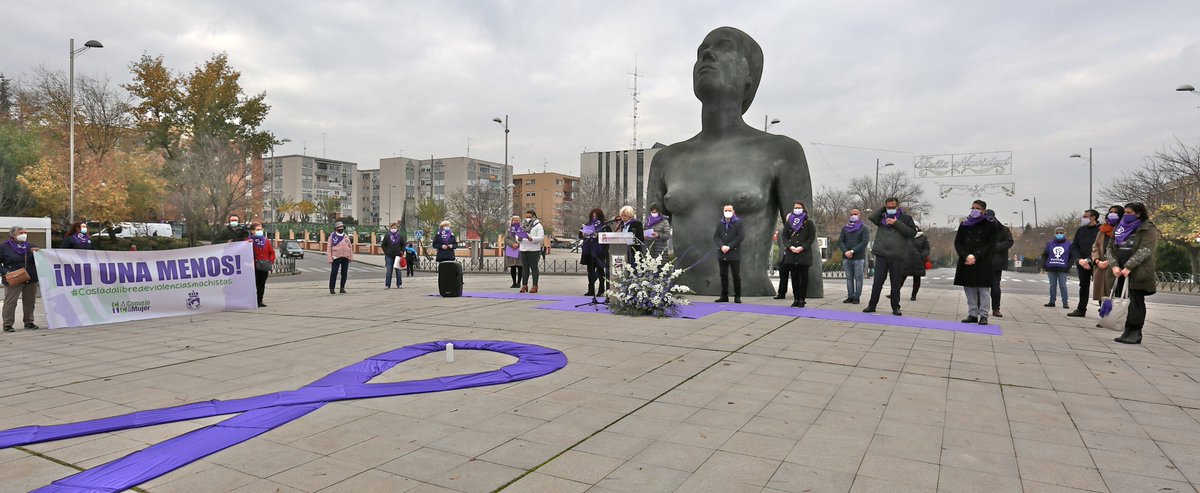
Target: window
558,181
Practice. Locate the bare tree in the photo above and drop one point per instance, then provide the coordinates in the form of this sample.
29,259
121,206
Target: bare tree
897,184
484,211
210,179
590,193
830,210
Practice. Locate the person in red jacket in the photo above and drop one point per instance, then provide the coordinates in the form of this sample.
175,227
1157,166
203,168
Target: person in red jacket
264,251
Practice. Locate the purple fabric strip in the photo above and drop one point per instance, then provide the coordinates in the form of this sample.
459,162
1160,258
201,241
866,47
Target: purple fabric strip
703,309
263,413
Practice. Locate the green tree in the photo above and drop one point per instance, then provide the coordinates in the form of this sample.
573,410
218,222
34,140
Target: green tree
330,208
19,150
7,98
305,209
430,212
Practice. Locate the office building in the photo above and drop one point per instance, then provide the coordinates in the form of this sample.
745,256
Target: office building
626,171
548,194
404,182
299,178
368,198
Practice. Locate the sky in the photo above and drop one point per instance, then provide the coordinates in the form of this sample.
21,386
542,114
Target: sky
853,82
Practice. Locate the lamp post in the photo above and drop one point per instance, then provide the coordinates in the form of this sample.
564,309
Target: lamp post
1089,158
1187,88
74,53
1035,219
877,175
767,124
504,123
1022,213
271,188
391,189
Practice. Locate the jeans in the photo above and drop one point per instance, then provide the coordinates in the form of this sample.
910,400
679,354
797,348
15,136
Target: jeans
342,263
978,300
1058,280
736,267
884,268
1085,288
529,265
388,262
854,277
996,275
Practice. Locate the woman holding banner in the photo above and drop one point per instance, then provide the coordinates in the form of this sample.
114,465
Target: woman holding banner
16,254
264,259
77,238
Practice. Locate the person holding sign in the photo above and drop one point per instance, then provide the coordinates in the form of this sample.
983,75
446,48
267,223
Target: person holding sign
19,277
340,253
77,238
512,251
728,237
595,254
264,259
1058,263
530,238
657,231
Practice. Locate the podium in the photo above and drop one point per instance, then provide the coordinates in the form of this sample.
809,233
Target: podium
618,249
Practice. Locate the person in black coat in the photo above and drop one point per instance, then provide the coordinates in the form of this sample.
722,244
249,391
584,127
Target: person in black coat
595,254
974,243
799,234
17,253
627,222
893,242
1004,242
77,238
919,250
393,248
1081,249
728,238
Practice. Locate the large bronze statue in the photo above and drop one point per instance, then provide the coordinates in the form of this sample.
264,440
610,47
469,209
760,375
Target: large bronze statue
729,162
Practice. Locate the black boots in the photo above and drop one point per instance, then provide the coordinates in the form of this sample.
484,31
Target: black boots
1130,336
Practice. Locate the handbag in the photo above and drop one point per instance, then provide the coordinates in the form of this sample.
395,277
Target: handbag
398,263
403,262
263,265
17,277
1114,311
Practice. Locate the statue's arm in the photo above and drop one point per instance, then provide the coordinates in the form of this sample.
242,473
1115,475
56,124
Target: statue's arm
656,190
793,181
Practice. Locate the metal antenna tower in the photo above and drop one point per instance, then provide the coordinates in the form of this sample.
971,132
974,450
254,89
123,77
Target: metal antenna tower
633,143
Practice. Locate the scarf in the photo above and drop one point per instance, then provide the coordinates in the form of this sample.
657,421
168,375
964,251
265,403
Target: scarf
651,221
1107,229
886,216
82,240
730,222
515,230
446,236
797,222
1126,229
336,238
972,221
21,248
852,226
260,241
395,237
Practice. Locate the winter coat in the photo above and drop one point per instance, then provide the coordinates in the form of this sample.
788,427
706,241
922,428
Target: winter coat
10,260
656,246
593,251
1004,241
919,252
805,238
1143,243
633,226
444,254
1102,279
267,252
344,248
1083,242
731,237
892,241
978,240
393,249
856,242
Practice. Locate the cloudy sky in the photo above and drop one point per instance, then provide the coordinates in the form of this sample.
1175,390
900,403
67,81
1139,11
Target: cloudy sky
1043,79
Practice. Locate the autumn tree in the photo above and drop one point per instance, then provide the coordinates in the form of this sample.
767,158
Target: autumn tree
430,212
329,208
19,150
305,209
589,193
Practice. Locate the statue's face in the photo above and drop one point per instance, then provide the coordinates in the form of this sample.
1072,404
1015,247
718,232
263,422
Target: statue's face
721,68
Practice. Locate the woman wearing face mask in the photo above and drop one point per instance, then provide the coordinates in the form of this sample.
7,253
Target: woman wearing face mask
1058,262
853,241
17,253
264,258
393,248
657,230
1132,257
799,236
77,238
512,250
791,224
1103,279
974,242
444,242
728,237
531,250
595,255
340,253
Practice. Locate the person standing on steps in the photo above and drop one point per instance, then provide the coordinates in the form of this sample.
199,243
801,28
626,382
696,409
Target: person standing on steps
893,233
999,260
340,252
728,238
531,251
853,241
1081,250
973,243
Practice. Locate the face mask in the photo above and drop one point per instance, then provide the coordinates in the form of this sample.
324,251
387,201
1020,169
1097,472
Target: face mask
975,213
854,218
83,229
394,230
1060,236
22,237
797,211
446,229
1085,221
1112,217
1129,218
341,230
728,214
233,224
653,214
258,233
892,211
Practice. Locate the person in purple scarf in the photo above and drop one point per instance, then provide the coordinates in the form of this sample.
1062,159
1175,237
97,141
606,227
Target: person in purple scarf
728,237
657,231
393,249
800,234
595,255
77,238
893,244
17,253
974,242
512,250
793,222
853,241
1132,257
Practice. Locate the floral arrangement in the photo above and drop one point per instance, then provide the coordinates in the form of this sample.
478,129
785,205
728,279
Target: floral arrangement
647,287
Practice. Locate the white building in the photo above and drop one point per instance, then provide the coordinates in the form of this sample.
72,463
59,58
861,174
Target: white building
403,182
628,171
368,198
299,178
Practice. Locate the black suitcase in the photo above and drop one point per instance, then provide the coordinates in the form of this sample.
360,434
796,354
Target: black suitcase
450,279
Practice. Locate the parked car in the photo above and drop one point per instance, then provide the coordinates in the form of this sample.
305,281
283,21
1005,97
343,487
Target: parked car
292,248
562,242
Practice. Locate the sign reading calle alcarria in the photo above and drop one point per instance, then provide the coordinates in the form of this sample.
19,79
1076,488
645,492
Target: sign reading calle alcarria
965,164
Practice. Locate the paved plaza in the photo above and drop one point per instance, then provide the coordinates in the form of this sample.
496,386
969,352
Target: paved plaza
730,402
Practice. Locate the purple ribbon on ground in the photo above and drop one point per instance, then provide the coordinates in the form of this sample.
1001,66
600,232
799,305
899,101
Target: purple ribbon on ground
263,413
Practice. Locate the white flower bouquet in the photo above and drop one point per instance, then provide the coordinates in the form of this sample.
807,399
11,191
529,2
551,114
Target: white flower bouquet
647,287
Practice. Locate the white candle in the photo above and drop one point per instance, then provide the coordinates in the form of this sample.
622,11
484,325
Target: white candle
449,352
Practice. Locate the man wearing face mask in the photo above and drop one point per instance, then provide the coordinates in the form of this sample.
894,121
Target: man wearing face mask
531,251
393,248
237,231
1081,249
17,253
973,243
728,237
999,260
853,241
893,233
340,252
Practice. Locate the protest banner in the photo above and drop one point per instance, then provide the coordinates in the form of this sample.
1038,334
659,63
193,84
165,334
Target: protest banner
90,287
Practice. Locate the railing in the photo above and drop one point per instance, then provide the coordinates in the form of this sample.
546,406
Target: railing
1177,281
284,265
496,265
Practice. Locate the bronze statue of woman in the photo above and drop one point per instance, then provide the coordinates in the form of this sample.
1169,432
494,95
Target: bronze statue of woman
729,162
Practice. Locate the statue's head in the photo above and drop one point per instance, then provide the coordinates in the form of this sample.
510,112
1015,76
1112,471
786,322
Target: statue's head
728,63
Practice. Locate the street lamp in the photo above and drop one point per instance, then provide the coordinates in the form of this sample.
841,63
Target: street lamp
1035,219
1089,158
271,189
767,124
1187,88
504,123
877,175
74,53
1022,213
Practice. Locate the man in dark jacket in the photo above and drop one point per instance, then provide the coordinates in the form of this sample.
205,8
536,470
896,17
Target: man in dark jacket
393,248
728,237
1081,248
853,242
894,230
974,243
1004,242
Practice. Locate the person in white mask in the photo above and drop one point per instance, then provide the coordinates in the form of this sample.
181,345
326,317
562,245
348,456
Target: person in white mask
728,237
853,241
17,253
393,249
657,230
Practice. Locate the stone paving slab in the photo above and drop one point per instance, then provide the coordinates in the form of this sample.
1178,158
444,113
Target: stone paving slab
730,402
